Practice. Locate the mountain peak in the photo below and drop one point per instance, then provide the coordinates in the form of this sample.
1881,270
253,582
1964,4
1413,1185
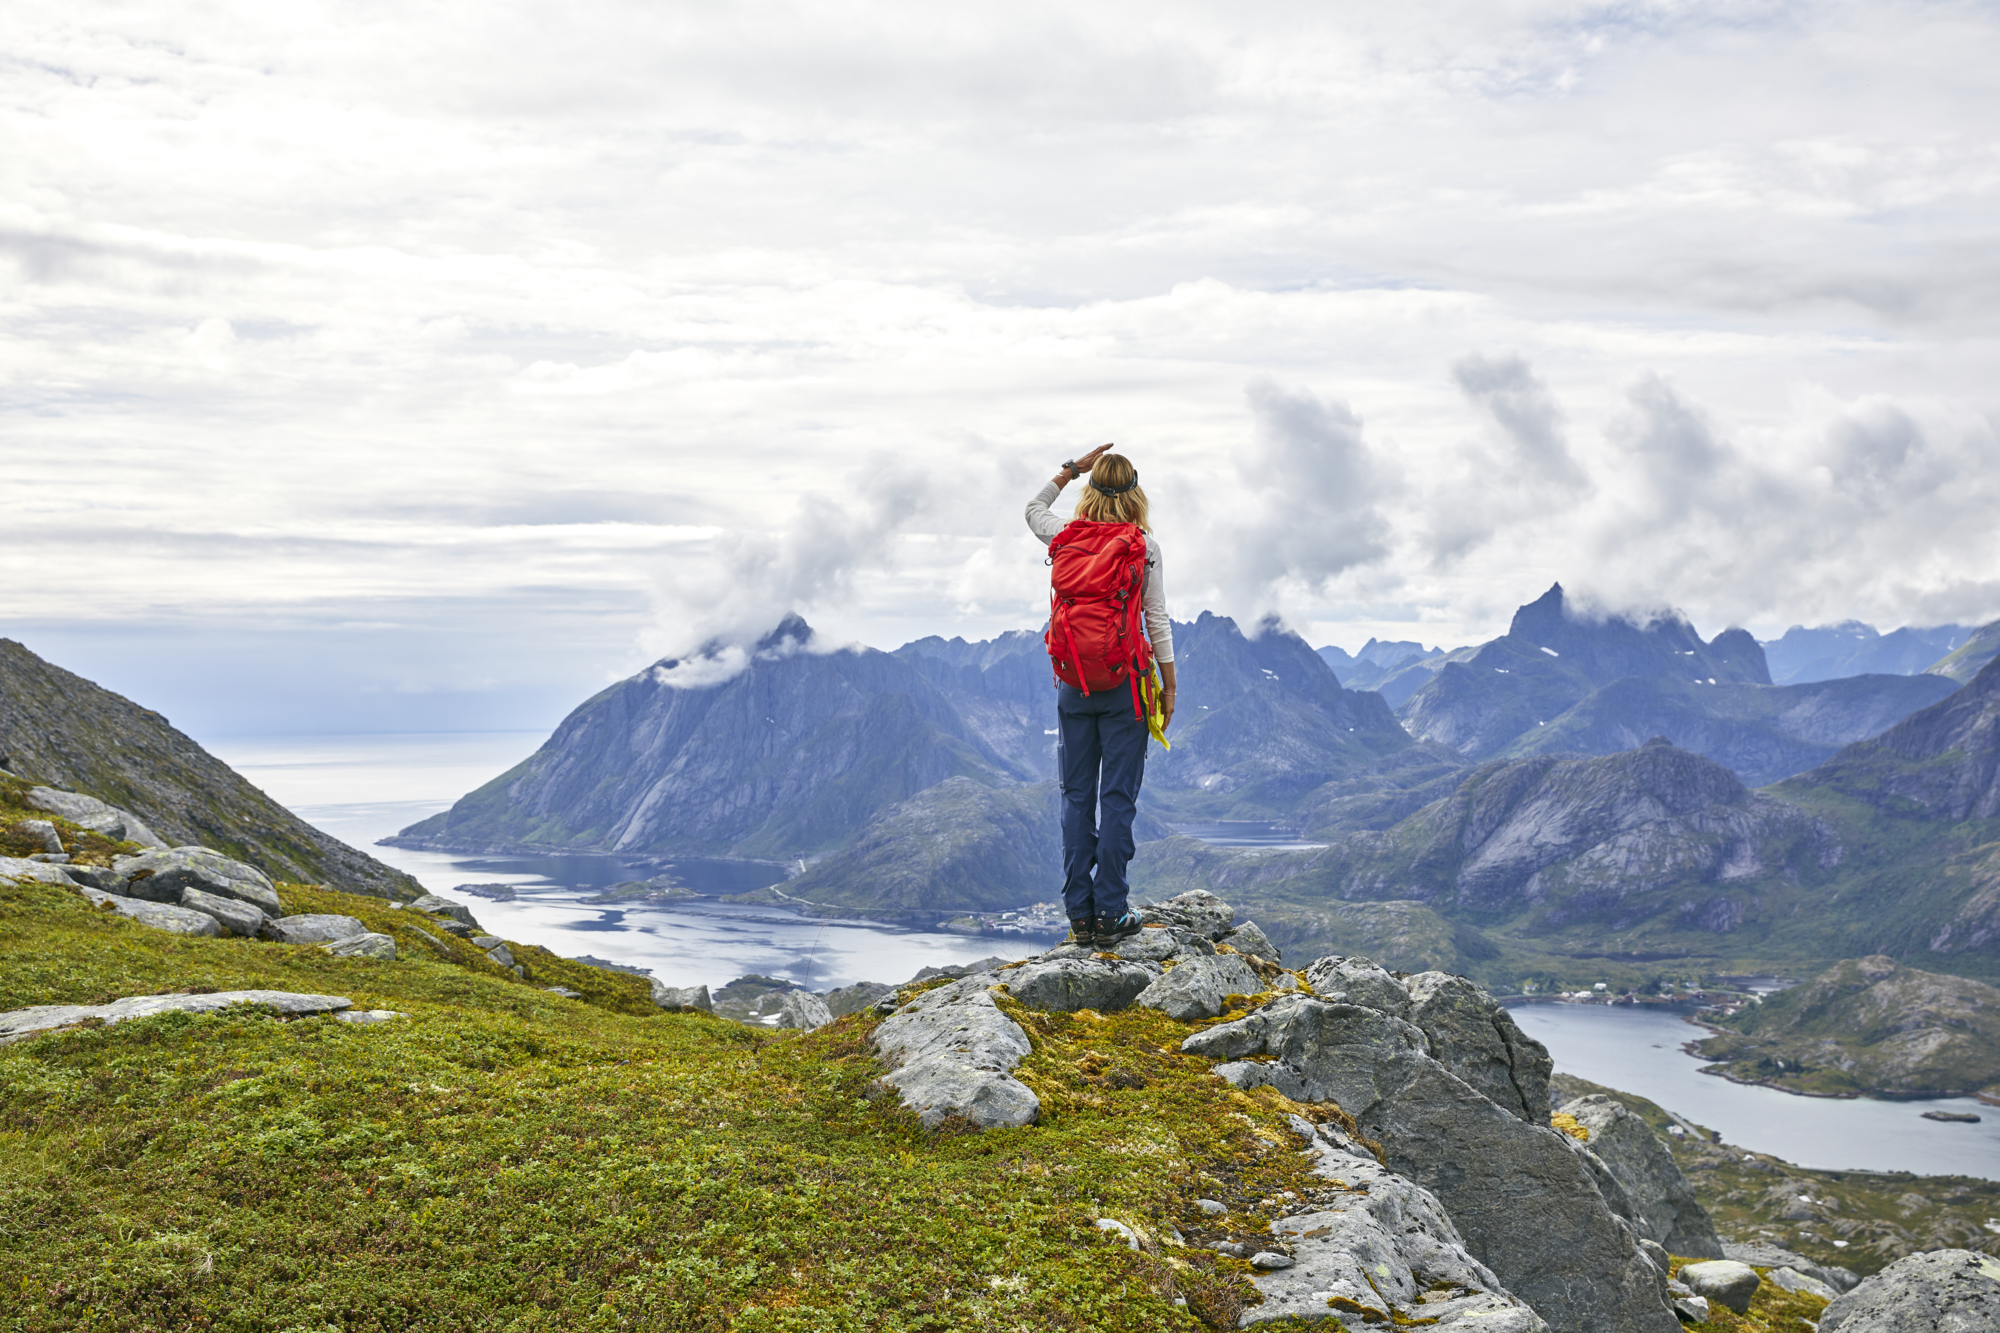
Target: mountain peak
792,627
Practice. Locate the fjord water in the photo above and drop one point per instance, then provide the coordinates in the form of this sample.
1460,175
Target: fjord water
1638,1050
360,788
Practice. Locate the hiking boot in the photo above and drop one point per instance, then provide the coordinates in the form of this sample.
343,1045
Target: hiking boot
1109,932
1083,931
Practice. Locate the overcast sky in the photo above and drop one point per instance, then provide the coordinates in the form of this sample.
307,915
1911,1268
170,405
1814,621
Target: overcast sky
374,365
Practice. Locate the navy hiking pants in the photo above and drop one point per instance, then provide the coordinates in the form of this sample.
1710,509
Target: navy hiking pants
1101,759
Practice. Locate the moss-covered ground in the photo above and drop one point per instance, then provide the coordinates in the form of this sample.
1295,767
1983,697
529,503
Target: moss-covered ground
1772,1309
504,1158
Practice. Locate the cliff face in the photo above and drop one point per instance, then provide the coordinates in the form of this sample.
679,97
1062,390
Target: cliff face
790,756
60,729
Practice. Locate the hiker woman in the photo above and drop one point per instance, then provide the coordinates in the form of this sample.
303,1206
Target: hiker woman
1106,571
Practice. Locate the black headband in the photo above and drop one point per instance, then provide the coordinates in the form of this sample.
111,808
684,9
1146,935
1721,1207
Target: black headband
1099,486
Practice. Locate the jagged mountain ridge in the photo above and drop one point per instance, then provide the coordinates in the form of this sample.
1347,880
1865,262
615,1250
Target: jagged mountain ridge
1893,847
65,731
1854,648
1558,682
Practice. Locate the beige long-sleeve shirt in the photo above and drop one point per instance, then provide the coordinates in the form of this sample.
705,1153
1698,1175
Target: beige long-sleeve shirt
1045,524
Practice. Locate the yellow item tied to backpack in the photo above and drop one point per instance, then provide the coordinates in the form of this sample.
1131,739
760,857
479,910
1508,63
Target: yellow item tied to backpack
1156,715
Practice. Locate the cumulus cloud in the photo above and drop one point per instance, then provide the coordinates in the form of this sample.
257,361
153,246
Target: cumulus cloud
1521,468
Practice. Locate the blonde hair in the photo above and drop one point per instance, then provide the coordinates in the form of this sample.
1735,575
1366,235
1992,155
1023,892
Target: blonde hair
1114,470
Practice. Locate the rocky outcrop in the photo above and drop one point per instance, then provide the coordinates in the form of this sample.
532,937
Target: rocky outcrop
1759,1254
20,1024
159,916
1066,984
70,736
1940,1291
1475,1038
1198,987
93,814
1722,1282
682,998
1507,1183
162,877
1661,1203
1379,1249
803,1011
313,928
951,1051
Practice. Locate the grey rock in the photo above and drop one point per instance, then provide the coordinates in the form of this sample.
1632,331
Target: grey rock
1211,1207
93,814
427,938
367,1017
1120,1230
232,914
1271,1259
1722,1281
1527,1205
1195,988
44,832
458,928
365,945
312,928
804,1011
1156,944
1759,1254
96,877
1694,1309
1940,1291
951,1051
53,858
1247,938
23,1023
497,950
21,868
1358,981
1384,1248
1791,1279
957,970
161,876
1662,1205
682,998
1197,910
845,1000
564,992
1474,1037
436,906
160,916
1068,984
1248,1074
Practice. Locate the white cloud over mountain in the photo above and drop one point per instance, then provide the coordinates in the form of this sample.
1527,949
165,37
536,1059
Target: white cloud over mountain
572,334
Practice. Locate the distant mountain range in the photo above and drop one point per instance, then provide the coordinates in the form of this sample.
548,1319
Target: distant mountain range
1852,648
1657,855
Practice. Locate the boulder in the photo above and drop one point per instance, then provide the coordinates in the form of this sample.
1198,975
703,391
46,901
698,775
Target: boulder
367,1017
161,876
1791,1279
1940,1291
23,1023
680,998
93,814
437,906
42,831
1156,944
846,1000
232,914
1692,1308
160,916
312,928
42,872
1382,1249
1247,938
495,948
804,1011
1358,981
1197,910
951,1051
1064,985
1759,1254
1474,1037
1662,1206
1196,987
365,945
1722,1282
1527,1206
96,877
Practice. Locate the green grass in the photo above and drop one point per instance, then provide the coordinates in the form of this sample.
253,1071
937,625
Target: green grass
507,1159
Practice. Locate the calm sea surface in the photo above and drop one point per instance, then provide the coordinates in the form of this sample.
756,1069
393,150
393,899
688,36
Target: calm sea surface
360,788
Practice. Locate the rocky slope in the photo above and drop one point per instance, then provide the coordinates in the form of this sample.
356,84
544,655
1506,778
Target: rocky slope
1559,682
1868,1025
62,731
1970,657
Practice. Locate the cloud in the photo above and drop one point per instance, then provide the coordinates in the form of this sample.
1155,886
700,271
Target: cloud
1521,469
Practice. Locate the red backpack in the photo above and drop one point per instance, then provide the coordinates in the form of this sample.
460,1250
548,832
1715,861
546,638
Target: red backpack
1097,570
